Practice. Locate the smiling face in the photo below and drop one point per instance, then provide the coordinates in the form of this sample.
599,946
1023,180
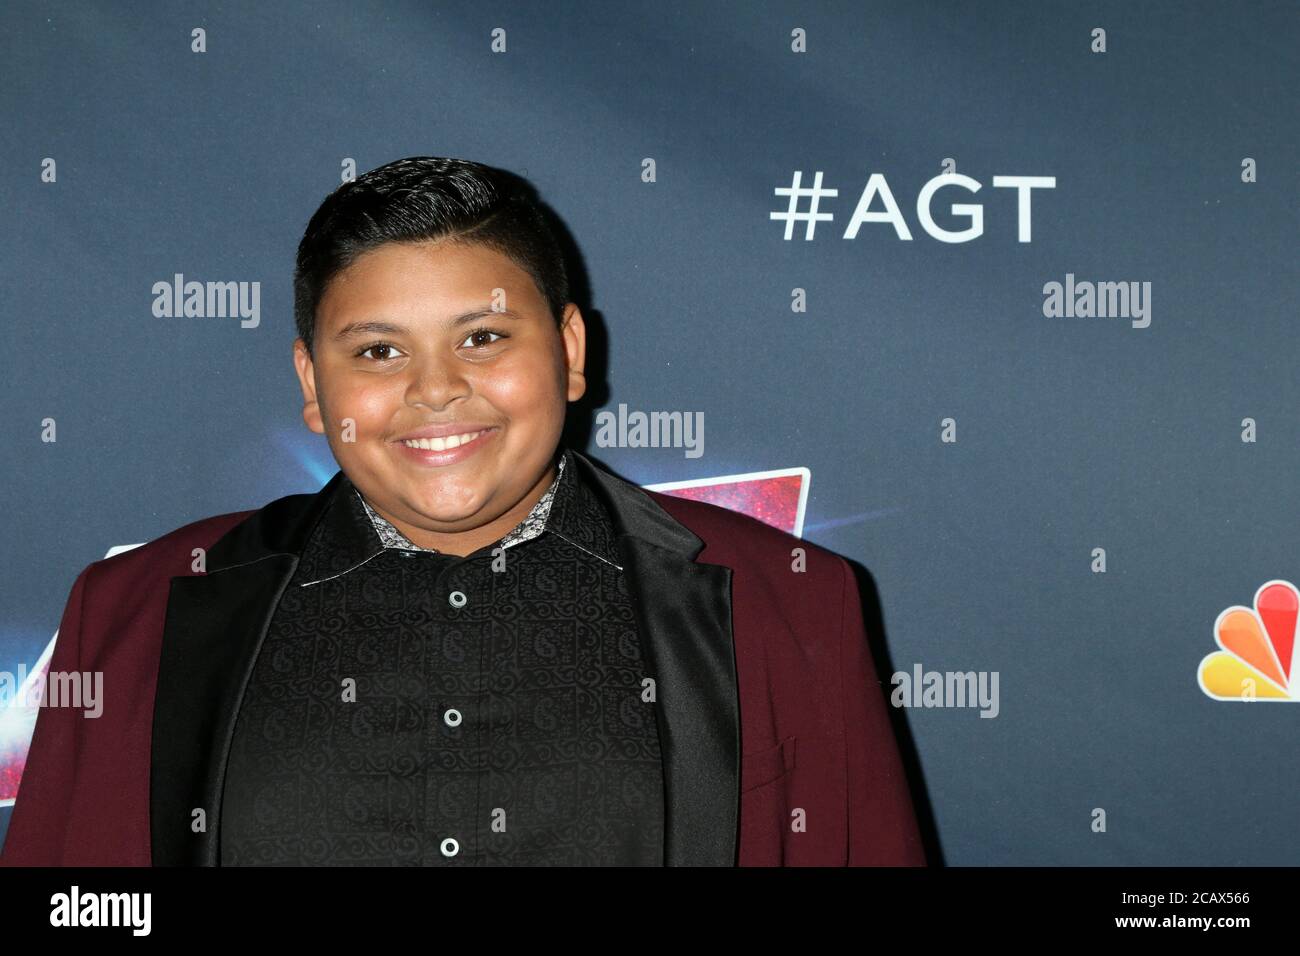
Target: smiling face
408,344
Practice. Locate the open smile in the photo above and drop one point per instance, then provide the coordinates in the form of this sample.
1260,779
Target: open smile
447,450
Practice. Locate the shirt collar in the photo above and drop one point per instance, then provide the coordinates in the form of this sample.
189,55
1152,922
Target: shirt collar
351,532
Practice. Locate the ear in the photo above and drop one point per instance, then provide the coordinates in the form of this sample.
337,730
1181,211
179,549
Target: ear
306,369
574,333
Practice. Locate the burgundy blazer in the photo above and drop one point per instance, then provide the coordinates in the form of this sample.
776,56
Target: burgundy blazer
774,729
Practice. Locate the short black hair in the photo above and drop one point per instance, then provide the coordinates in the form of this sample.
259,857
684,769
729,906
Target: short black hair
424,198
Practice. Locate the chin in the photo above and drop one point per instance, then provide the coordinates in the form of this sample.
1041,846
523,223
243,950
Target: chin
436,509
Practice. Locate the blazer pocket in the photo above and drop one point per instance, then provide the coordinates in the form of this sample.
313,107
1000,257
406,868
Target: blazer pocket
764,766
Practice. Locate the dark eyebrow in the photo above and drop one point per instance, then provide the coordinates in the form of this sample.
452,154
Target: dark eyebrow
375,327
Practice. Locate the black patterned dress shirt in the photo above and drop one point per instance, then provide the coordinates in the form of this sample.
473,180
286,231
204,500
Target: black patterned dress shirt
410,707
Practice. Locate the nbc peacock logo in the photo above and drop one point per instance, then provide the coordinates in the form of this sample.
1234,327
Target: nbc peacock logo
1257,649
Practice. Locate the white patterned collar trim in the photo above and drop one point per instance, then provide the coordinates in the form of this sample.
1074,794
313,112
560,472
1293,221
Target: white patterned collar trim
532,525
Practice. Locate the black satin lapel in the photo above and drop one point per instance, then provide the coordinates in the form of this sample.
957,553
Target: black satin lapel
214,629
684,619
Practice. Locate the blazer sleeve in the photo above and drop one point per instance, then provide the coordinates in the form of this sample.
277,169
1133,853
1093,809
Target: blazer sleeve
882,827
43,802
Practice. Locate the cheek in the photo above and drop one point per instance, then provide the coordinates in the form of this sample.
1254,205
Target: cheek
524,389
368,401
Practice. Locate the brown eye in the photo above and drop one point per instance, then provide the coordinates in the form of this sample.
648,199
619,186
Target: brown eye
378,347
473,339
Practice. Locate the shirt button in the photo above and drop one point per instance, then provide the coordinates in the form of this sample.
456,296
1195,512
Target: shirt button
449,847
451,718
457,599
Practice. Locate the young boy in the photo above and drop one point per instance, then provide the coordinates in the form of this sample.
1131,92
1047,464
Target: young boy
473,646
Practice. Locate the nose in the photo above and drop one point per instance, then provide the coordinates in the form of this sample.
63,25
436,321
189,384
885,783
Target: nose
436,381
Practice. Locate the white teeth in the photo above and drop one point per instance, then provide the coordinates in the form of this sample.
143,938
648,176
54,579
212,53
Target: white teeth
441,444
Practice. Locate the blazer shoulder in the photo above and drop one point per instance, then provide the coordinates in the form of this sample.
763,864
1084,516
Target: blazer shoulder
170,554
735,539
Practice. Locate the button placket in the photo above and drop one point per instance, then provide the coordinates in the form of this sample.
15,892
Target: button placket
458,732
